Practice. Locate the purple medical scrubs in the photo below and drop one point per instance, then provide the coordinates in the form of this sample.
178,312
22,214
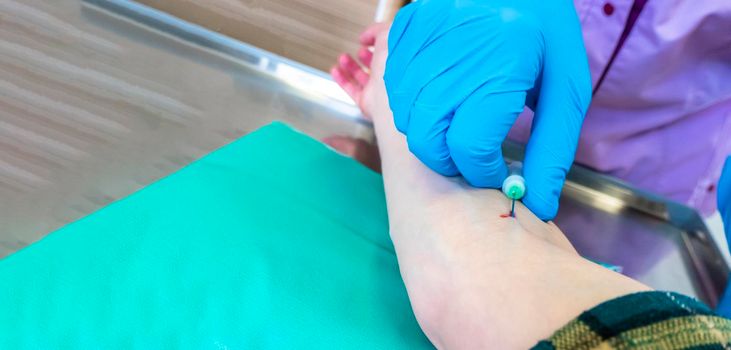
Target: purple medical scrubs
661,112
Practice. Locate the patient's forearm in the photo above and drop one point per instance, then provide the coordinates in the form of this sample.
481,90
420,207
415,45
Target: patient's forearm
475,279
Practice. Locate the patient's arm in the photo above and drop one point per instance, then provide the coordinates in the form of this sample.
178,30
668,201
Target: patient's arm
475,279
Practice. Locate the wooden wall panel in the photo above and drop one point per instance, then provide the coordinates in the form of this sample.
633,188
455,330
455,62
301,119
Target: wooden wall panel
93,107
312,32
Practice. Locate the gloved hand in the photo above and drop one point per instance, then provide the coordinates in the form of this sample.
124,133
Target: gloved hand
724,208
459,72
724,198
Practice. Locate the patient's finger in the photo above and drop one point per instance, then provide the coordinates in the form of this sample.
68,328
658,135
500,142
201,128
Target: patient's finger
368,36
347,68
365,56
346,82
350,66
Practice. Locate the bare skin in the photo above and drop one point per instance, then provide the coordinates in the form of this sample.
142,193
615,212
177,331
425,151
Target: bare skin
475,279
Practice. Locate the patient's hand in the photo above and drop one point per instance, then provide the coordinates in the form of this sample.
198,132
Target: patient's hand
354,75
475,279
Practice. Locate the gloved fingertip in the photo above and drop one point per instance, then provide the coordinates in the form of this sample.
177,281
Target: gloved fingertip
434,156
484,180
401,108
481,166
544,209
401,125
444,168
480,169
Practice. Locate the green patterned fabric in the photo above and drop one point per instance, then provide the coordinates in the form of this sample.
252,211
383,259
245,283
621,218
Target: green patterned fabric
647,320
273,241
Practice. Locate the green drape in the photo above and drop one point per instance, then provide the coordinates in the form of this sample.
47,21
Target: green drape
273,241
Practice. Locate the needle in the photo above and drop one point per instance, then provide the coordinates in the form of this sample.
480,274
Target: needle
514,185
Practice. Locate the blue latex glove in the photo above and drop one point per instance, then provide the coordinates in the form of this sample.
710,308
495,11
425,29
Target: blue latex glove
724,208
460,72
724,198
